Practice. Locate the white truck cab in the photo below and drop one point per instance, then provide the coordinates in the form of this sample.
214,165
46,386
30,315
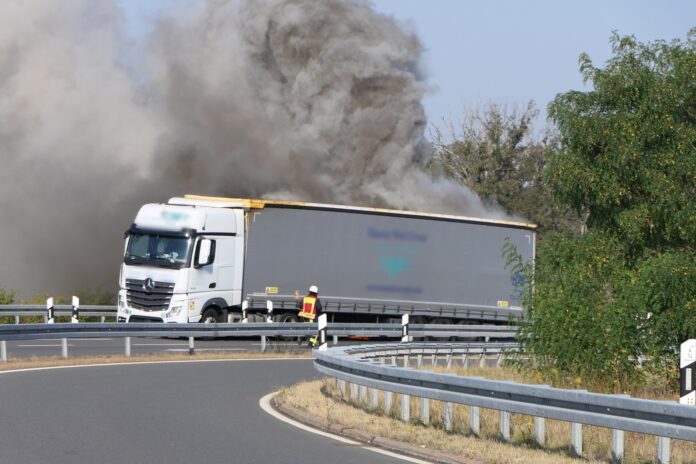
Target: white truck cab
183,262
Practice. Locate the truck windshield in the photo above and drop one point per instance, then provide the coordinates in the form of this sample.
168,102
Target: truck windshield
158,250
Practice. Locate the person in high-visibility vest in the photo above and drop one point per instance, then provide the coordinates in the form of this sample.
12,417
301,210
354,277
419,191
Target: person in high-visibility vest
310,309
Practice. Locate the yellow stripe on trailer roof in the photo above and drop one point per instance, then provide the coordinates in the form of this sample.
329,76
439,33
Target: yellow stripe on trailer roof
251,203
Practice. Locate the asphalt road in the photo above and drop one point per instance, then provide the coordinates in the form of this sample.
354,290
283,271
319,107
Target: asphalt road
202,412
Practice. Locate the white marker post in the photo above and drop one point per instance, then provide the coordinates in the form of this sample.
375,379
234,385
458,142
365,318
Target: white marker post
687,372
245,307
269,311
50,319
405,338
75,309
322,333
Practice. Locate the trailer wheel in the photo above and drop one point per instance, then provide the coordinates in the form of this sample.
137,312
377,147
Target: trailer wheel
440,320
210,315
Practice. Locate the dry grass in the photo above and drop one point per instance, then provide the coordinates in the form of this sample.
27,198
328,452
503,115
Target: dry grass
30,363
489,448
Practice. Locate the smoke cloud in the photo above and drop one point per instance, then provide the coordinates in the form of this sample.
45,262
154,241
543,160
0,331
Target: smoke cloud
288,99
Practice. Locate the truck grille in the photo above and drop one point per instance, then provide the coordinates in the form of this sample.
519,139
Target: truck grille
156,299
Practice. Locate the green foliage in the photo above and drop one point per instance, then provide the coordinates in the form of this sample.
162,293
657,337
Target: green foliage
625,292
97,296
497,155
629,145
6,296
574,325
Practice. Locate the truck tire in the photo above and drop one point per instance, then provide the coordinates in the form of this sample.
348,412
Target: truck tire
210,315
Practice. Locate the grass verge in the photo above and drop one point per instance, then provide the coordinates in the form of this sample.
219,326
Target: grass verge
322,399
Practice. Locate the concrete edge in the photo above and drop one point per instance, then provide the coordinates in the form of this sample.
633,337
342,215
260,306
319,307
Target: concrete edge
389,444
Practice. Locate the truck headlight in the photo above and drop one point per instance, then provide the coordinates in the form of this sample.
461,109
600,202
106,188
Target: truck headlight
175,311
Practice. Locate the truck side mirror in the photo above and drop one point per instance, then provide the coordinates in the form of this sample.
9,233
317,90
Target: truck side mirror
205,253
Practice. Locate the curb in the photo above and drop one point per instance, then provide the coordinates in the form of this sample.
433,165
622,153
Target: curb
438,457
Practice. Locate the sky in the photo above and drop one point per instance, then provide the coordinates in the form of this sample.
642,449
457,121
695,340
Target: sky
506,51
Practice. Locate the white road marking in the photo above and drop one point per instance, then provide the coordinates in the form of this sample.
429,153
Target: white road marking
159,344
40,346
91,339
31,369
265,404
205,349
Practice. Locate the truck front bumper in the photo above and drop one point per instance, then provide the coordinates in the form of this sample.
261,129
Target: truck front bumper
177,311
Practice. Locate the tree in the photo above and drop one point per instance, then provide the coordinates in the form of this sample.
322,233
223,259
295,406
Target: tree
626,290
497,154
628,152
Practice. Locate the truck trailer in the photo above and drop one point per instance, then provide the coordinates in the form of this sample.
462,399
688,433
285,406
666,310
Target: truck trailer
203,259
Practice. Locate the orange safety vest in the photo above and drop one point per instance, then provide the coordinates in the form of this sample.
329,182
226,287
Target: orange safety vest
309,307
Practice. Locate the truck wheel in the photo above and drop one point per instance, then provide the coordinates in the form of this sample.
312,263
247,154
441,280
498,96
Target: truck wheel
210,315
287,317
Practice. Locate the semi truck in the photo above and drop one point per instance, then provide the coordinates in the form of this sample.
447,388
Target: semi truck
209,259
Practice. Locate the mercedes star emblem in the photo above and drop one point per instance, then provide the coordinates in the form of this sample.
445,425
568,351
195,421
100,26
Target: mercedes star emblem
149,285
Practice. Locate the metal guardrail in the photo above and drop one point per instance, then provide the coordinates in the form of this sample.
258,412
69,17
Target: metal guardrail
483,314
18,311
664,419
252,329
9,332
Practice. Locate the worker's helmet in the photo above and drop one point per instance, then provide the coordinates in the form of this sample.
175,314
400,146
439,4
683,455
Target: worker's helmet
313,289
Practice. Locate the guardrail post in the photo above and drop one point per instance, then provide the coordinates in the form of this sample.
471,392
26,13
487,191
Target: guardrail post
482,360
341,388
393,360
449,360
128,346
475,420
499,360
64,348
433,359
505,425
3,351
425,410
419,363
362,393
388,402
405,407
16,319
75,309
406,360
50,319
245,308
335,339
617,446
192,348
576,438
465,363
323,345
447,415
269,311
263,343
663,450
687,372
540,431
374,398
353,391
405,338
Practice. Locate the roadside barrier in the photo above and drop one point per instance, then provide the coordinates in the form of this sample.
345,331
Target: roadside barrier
65,331
386,368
